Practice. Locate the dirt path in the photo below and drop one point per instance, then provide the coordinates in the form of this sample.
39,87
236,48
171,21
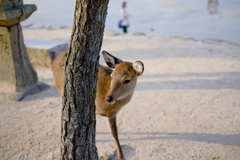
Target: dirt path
186,105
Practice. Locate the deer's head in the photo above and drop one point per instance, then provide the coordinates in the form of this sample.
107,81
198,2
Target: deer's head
123,77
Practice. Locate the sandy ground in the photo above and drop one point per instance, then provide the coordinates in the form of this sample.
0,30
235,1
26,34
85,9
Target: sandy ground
186,104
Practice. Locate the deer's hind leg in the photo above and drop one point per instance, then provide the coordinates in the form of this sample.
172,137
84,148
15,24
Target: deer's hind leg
112,123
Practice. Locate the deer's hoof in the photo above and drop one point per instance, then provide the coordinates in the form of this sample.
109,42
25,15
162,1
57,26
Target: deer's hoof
122,158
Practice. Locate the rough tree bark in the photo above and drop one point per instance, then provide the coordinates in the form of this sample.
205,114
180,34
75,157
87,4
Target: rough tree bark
78,112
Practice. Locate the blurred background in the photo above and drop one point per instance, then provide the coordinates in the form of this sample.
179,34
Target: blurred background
186,104
188,18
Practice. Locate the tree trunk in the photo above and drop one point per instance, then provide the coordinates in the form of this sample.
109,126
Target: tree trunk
78,113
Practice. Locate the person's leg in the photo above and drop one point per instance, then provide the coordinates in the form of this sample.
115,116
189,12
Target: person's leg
124,29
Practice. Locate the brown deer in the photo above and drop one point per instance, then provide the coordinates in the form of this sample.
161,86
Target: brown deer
114,87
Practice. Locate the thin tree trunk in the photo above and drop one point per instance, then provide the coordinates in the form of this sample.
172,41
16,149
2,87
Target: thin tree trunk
78,112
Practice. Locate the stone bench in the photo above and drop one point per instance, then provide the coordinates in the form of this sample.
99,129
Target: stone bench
41,53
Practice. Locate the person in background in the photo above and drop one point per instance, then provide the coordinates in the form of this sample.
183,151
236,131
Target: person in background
124,17
213,6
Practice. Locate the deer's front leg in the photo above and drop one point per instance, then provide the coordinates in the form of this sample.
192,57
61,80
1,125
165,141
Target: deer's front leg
112,123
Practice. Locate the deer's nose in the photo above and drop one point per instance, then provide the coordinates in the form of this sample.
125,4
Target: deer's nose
109,98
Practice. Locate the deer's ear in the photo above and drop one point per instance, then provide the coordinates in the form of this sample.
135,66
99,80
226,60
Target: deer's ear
138,67
110,60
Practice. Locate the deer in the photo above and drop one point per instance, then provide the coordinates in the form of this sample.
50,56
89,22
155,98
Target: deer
115,87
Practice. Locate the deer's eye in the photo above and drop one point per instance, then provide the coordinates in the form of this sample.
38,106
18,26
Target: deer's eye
126,81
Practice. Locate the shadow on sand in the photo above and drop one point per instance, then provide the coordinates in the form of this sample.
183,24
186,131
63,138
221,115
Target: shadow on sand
176,52
49,93
224,139
207,81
